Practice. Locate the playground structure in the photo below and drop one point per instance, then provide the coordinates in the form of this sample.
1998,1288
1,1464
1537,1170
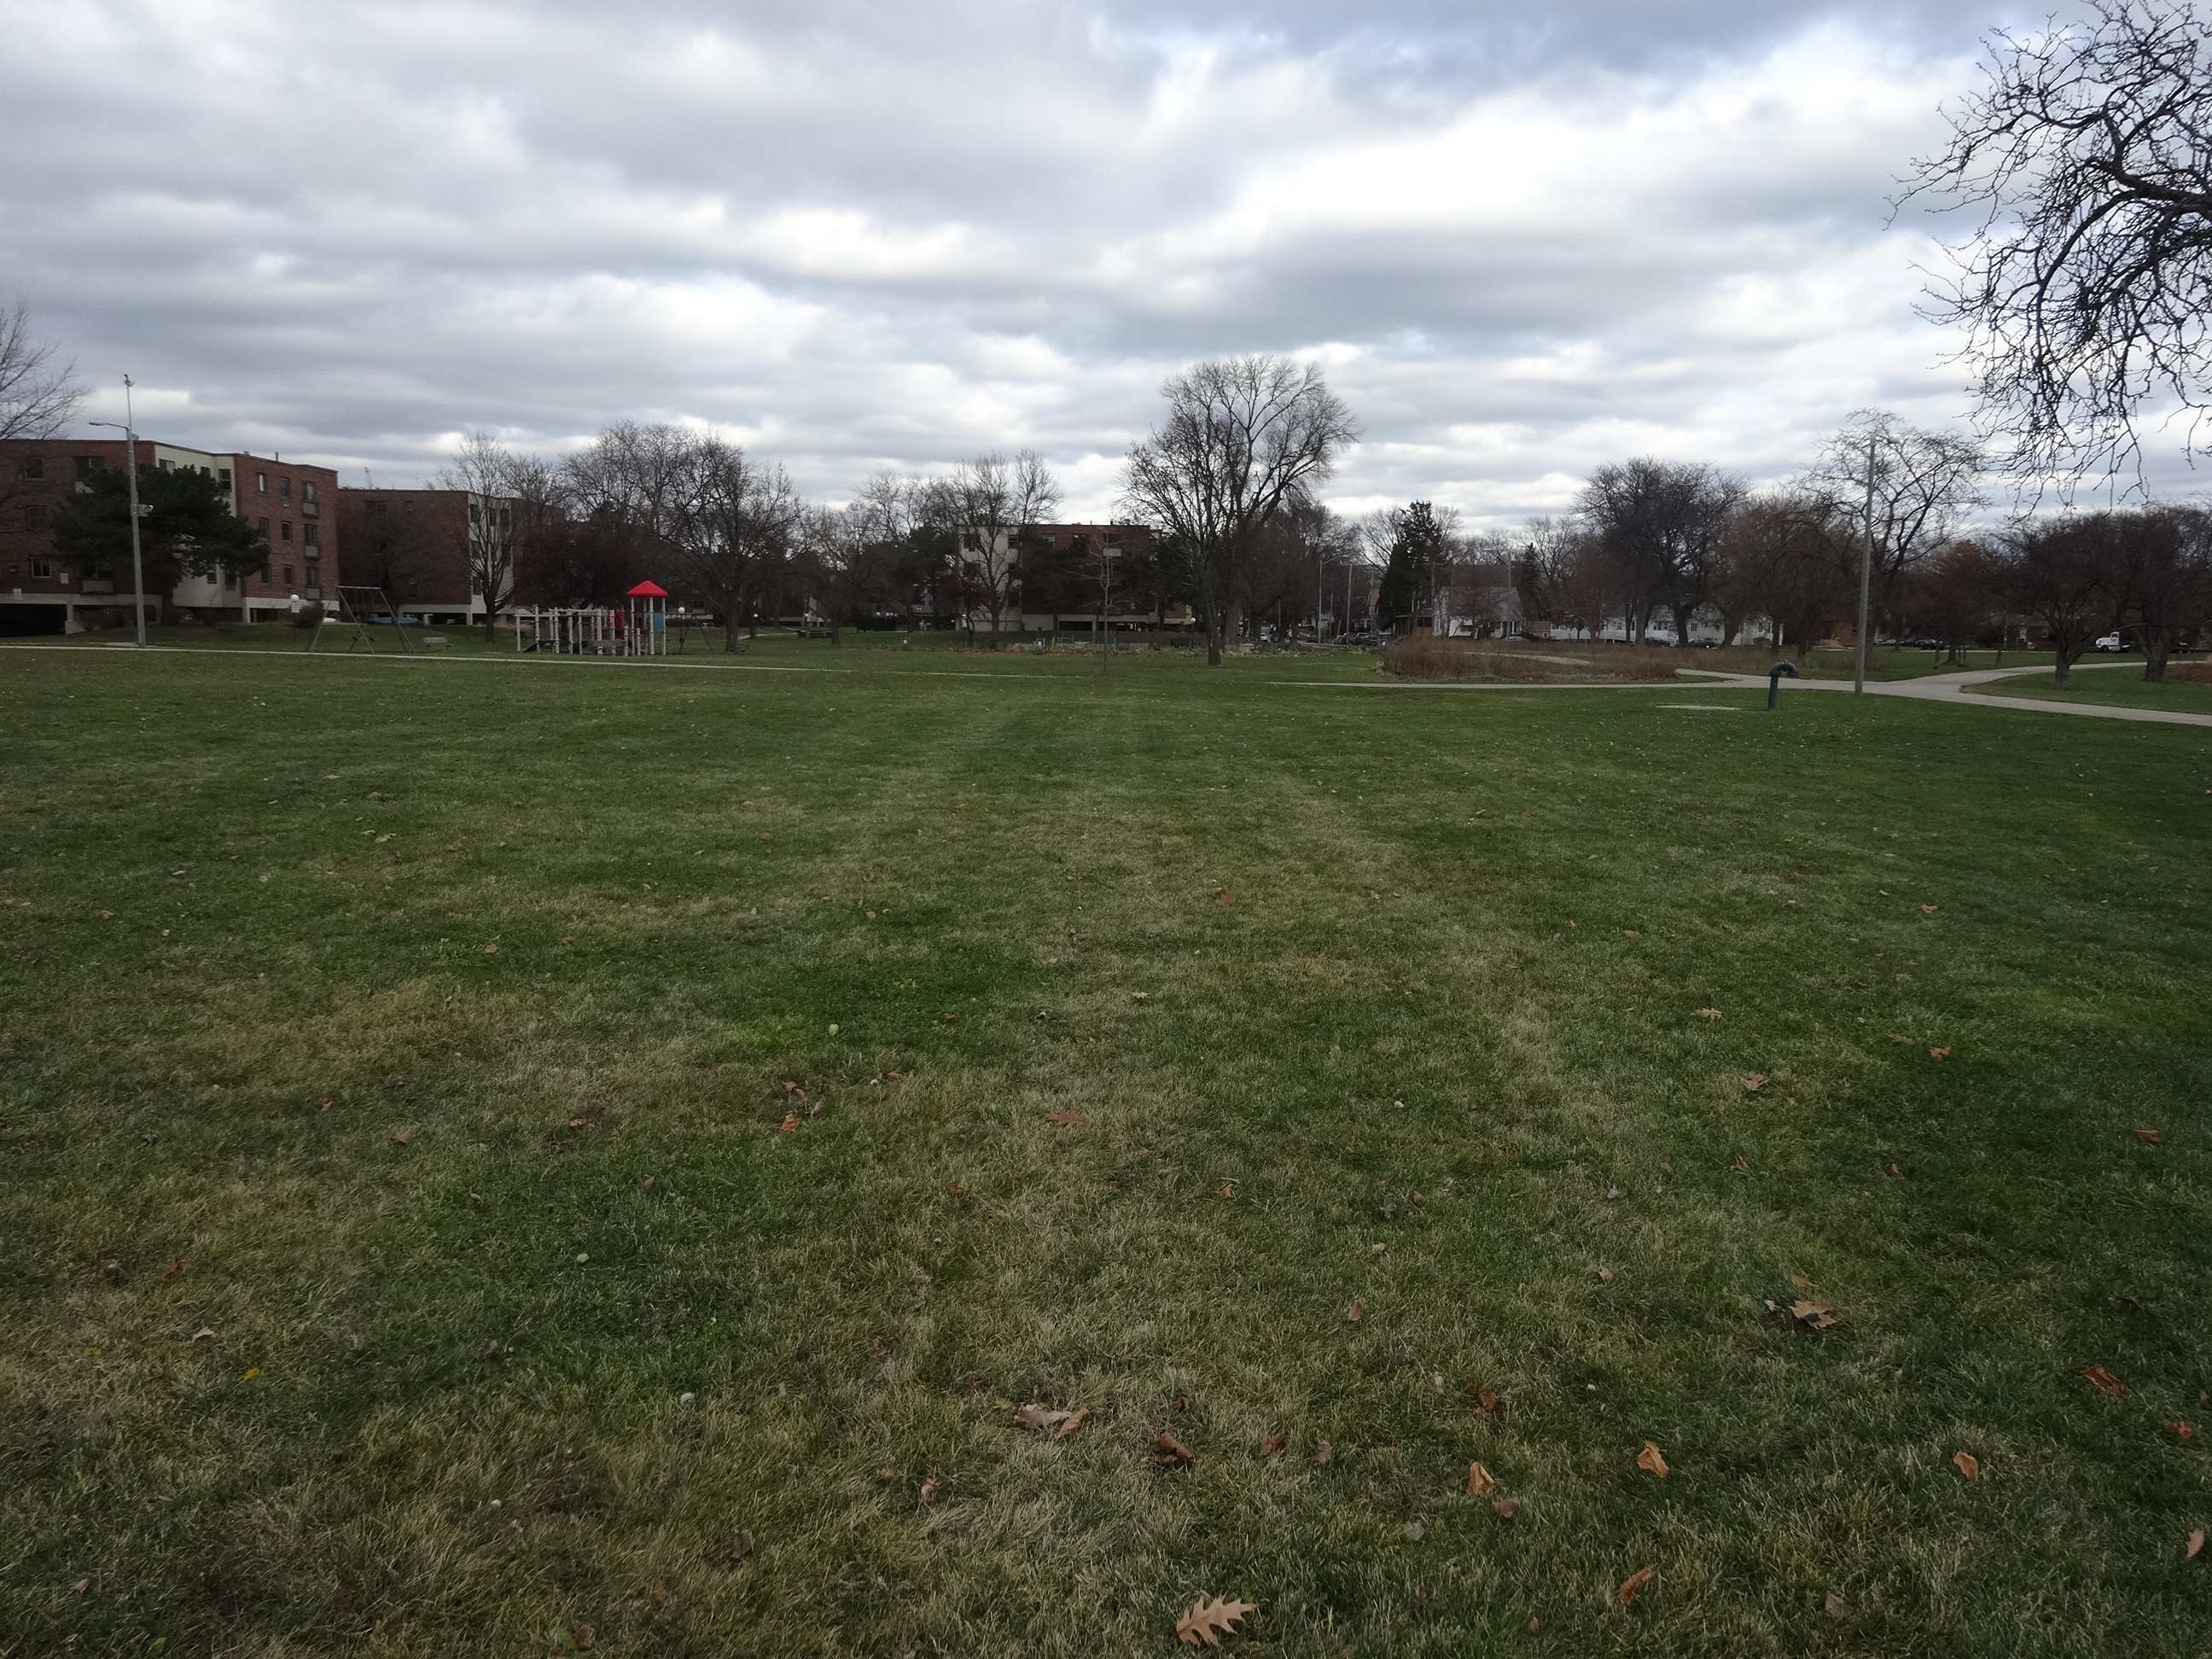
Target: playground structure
638,627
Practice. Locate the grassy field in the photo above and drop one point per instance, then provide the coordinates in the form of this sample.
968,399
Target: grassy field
2122,685
503,1156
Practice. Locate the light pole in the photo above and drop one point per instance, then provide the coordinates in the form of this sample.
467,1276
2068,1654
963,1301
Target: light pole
1866,573
130,477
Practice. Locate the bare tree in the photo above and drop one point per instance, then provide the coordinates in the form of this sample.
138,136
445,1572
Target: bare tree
735,522
494,478
2071,576
1918,484
1243,437
991,503
2168,553
1783,556
1663,521
38,396
2087,286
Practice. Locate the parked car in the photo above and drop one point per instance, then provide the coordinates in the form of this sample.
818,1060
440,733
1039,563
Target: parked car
2110,642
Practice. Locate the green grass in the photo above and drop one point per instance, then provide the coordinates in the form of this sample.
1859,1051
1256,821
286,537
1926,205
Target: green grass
2121,684
250,903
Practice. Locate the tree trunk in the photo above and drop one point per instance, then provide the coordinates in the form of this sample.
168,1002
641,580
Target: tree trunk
2158,643
2062,667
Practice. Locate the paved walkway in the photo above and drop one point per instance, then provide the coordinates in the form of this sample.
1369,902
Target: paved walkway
1958,688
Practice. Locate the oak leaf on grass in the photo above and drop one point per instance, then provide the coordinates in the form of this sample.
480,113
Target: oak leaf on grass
2105,1381
2149,1136
1065,1119
1205,1622
1355,1313
1651,1460
401,1137
1480,1482
1753,1082
1170,1453
1968,1465
1507,1507
1074,1422
1635,1581
930,1488
1040,1417
2196,1545
790,1124
1273,1443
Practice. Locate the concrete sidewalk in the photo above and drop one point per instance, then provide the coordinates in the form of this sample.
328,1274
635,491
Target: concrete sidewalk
1959,688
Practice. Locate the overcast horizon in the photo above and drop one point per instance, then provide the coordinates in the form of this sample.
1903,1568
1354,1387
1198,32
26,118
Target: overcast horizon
854,237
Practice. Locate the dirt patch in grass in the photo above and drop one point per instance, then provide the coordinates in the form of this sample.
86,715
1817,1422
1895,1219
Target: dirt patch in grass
1538,662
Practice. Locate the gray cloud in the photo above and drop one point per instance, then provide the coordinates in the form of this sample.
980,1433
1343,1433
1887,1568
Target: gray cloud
1524,240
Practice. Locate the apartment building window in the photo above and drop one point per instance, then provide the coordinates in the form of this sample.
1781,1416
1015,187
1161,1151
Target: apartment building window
311,535
42,569
34,517
167,467
375,509
286,530
287,575
314,580
86,466
261,486
307,498
34,466
262,525
284,490
222,476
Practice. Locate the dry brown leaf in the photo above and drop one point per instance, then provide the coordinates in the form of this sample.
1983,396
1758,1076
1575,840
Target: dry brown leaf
1353,1314
1628,933
1270,1444
930,1489
1892,1172
1207,1622
1486,1400
1065,1119
2196,1545
2105,1380
2182,1431
1969,1465
1182,1402
1228,1189
1074,1422
401,1137
1040,1417
1817,1314
1927,909
175,1267
1324,1454
1839,1609
1939,1054
1507,1507
1604,1275
790,1124
1801,1282
1170,1453
1709,1013
2149,1136
1753,1082
1740,1163
1635,1581
1651,1460
1480,1482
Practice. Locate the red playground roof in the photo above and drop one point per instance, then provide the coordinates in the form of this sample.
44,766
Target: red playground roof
649,591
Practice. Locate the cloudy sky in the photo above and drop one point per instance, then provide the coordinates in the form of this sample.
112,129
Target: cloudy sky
1523,238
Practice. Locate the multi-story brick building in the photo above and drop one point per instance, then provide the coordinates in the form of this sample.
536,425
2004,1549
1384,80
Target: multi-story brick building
44,591
420,546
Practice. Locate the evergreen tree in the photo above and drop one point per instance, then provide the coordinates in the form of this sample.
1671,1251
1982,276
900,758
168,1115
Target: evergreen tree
185,527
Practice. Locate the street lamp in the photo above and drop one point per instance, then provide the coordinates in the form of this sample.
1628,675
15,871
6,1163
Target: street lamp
131,475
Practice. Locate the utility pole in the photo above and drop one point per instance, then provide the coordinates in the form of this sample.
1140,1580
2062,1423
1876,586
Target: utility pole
129,429
1866,577
1106,552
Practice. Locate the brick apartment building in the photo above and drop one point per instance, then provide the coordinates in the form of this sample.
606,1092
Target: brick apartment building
418,545
43,592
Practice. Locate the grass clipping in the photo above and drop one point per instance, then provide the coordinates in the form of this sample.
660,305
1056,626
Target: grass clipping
1539,662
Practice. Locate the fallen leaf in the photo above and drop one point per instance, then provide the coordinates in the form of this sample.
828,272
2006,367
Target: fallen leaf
1228,1189
1839,1609
1170,1453
1893,1037
1065,1119
1604,1274
2105,1380
203,1331
328,1101
1352,1314
1074,1422
1816,1315
401,1137
1939,1054
176,1267
1635,1581
929,1490
2196,1545
78,1587
2148,1137
1969,1465
790,1123
1228,898
1753,1082
1270,1444
1651,1461
584,1637
1207,1622
1709,1013
491,950
1040,1417
1927,909
1182,1402
1480,1482
1324,1454
1740,1163
1800,1281
1486,1400
1892,1172
2182,1431
1628,933
1507,1507
956,1188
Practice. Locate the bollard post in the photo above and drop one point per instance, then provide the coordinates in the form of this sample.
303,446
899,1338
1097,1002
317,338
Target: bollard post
1774,681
